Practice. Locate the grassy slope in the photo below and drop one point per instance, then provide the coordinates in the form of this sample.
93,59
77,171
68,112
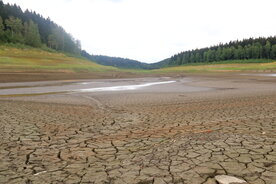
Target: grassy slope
228,66
35,60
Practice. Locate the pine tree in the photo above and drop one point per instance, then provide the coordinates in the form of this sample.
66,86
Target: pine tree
267,49
241,52
1,26
15,27
218,54
52,42
31,34
2,31
197,57
273,52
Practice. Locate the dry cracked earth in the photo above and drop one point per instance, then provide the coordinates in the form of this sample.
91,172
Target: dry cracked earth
142,138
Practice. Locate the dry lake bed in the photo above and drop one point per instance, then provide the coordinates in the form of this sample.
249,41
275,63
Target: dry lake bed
141,130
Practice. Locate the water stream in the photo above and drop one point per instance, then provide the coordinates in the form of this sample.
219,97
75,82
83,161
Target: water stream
123,88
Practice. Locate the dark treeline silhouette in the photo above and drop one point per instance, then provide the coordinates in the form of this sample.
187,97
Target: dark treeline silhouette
32,29
116,61
252,48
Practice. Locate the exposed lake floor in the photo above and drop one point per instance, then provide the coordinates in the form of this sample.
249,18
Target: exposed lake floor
142,130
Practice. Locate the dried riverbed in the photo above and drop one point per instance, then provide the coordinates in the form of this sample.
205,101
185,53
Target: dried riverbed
187,131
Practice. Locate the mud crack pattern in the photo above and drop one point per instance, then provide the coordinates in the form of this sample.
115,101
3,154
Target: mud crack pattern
187,142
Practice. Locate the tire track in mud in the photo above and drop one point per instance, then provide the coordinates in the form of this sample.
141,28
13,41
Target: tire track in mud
98,103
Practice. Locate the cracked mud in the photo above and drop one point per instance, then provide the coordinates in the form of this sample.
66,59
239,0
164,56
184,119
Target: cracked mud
142,138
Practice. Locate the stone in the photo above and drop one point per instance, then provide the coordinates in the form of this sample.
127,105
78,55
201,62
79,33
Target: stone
224,179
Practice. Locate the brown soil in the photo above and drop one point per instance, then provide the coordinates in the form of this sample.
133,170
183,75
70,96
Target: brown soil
26,77
143,137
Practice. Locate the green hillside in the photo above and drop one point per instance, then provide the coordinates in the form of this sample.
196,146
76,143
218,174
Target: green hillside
250,50
37,60
29,28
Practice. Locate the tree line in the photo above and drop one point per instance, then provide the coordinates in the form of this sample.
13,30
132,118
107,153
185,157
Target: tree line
116,61
258,48
34,30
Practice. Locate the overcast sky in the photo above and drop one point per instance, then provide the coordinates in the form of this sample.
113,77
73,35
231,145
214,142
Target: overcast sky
152,30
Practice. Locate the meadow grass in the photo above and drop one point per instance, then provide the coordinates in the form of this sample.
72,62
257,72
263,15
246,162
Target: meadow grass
31,59
222,67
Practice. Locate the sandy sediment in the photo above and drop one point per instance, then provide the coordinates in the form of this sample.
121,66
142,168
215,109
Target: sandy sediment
143,137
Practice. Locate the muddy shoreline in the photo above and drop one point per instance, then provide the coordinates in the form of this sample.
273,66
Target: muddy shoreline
6,77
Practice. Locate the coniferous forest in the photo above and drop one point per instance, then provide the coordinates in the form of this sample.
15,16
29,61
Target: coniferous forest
30,28
116,61
258,48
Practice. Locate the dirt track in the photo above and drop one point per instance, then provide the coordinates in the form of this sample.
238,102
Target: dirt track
143,137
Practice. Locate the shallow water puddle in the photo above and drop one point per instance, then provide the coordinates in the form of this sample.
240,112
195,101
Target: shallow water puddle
124,88
85,83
